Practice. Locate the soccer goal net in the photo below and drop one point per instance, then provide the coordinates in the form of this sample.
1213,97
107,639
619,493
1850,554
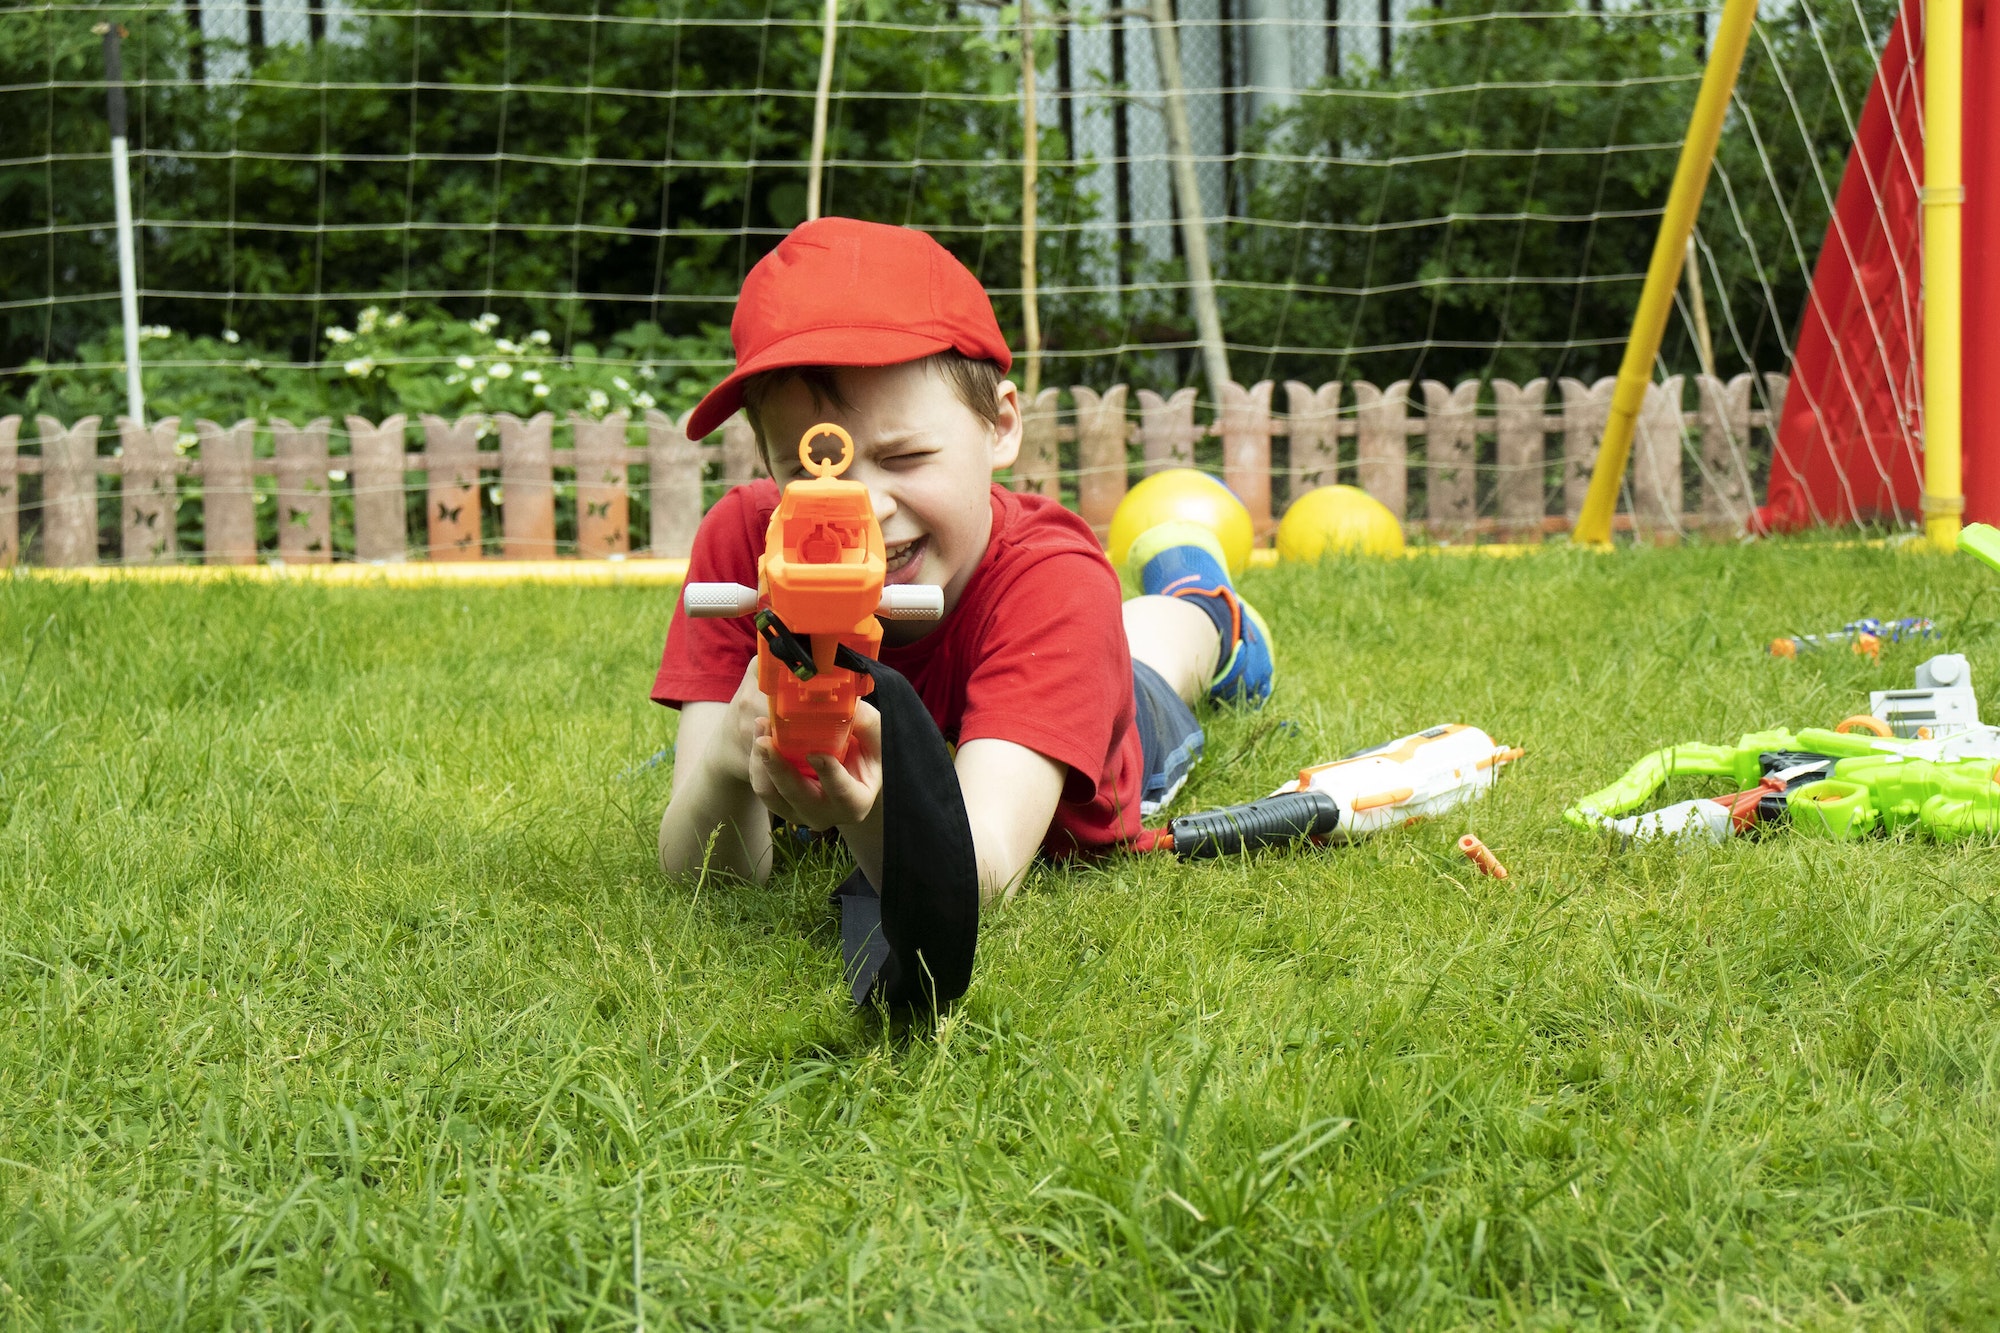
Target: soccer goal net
375,240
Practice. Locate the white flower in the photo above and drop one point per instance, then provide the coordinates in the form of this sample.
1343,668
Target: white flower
185,441
541,391
337,474
395,321
253,363
454,378
624,385
360,366
155,331
366,324
501,344
499,370
598,400
337,335
643,400
646,371
465,363
531,377
486,322
479,384
231,336
539,336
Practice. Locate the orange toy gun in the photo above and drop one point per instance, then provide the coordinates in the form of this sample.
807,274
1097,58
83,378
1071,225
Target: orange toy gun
820,588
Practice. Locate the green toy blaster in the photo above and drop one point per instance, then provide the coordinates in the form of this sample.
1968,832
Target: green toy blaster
1838,784
1981,540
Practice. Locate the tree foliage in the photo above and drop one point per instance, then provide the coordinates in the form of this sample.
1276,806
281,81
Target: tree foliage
595,165
1486,196
601,147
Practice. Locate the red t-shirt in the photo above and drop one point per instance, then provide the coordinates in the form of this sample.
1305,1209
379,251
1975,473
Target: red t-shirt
1034,653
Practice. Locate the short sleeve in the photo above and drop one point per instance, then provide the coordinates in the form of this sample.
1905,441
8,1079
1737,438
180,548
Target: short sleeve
1054,672
704,659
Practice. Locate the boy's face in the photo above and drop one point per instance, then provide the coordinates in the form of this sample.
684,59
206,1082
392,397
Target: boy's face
926,459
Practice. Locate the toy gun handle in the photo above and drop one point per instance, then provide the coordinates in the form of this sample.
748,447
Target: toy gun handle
714,601
1235,828
900,601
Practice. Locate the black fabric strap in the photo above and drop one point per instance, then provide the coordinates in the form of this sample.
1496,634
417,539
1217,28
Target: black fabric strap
911,945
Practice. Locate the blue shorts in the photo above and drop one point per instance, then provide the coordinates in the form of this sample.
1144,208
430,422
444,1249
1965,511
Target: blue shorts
1169,738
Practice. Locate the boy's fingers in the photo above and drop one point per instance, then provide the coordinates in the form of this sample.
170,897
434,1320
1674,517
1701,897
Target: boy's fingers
800,794
767,772
868,726
841,787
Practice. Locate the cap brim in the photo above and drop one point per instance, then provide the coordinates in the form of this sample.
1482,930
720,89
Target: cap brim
813,347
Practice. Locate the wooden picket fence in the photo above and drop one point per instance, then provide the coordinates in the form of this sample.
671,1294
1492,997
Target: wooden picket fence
1526,498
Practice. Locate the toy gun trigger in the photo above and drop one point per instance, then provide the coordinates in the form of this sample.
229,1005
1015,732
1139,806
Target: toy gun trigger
786,646
718,600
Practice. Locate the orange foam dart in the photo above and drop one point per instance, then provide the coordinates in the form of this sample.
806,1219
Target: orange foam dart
821,574
1477,852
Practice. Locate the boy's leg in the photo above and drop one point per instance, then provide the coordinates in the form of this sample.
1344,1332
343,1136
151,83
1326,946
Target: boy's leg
1177,639
1183,562
1191,636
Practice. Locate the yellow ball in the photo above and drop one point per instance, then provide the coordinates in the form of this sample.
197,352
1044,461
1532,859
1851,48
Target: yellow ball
1338,520
1183,493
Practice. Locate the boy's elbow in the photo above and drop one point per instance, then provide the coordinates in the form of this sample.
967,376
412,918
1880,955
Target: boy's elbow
1004,855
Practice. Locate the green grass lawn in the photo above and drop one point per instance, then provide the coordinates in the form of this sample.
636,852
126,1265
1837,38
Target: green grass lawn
338,986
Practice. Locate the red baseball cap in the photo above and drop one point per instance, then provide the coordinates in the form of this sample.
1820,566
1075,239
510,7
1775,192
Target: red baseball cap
841,292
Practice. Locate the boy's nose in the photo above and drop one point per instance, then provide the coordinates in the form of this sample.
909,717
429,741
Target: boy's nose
885,503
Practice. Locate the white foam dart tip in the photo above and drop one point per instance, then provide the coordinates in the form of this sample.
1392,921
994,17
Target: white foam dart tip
911,601
716,600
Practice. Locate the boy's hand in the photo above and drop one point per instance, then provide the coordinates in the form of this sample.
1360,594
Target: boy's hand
728,755
843,795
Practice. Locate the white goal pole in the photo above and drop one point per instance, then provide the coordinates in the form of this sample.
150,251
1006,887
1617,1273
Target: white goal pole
816,163
121,190
1194,227
1031,308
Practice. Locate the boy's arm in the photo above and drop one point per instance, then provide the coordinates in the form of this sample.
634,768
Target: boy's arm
712,800
1010,798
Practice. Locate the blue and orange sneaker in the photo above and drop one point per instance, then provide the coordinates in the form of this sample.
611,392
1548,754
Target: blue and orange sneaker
1183,559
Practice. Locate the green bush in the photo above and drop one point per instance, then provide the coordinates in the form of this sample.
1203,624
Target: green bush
414,361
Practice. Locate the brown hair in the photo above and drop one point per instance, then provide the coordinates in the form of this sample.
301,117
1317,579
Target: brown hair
976,382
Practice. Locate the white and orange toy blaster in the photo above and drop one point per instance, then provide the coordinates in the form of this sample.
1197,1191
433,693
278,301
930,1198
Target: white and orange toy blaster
1410,778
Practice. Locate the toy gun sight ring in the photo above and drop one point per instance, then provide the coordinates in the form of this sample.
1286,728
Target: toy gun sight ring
822,585
810,460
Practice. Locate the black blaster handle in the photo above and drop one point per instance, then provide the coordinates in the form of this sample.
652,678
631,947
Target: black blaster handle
1236,828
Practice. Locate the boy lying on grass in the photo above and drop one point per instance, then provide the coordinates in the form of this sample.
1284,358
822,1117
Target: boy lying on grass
1069,712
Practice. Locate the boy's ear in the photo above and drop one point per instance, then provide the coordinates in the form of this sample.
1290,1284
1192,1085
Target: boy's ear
1007,429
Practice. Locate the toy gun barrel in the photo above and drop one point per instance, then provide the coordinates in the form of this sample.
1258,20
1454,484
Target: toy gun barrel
1236,828
900,601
